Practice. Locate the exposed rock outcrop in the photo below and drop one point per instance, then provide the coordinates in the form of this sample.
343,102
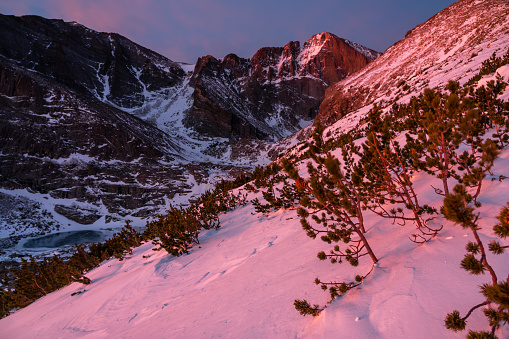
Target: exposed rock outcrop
272,94
81,216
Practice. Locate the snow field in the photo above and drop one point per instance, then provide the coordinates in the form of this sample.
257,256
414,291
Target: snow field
241,281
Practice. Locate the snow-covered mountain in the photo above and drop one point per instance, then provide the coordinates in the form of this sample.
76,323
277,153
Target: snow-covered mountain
243,278
270,96
449,46
98,129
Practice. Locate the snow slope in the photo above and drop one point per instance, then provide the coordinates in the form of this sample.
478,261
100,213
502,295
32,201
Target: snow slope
241,281
449,46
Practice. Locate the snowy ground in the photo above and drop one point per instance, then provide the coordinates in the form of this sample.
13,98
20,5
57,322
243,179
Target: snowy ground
241,281
26,215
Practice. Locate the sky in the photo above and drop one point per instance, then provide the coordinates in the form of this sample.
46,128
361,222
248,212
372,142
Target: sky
184,30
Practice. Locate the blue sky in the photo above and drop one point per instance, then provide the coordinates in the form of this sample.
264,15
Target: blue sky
187,29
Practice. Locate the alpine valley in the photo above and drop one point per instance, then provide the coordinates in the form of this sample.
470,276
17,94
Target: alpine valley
96,130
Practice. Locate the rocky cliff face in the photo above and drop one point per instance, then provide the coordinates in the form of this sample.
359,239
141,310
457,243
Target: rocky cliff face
60,142
449,46
95,126
105,65
64,130
273,94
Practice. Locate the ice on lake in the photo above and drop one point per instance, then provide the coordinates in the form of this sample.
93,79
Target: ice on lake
57,240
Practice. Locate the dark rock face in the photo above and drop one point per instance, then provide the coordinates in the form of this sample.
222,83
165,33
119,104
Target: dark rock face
60,132
40,118
337,105
268,95
81,216
56,141
65,91
104,65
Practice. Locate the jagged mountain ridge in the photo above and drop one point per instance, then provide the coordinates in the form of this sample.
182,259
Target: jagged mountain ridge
128,76
101,129
273,94
105,65
449,46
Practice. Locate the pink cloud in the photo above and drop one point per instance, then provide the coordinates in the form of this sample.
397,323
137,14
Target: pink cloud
96,14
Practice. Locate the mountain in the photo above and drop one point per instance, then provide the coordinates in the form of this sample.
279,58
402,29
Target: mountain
449,46
273,94
62,133
242,280
106,66
96,129
267,97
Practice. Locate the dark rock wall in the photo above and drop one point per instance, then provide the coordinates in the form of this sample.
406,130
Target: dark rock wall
236,98
79,58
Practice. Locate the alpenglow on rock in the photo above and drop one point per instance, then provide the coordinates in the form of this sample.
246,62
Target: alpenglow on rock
451,45
273,94
114,128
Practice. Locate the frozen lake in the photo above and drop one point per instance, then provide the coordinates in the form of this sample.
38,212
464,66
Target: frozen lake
57,240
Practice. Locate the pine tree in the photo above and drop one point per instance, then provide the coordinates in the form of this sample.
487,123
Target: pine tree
176,231
388,173
440,123
432,138
331,206
457,209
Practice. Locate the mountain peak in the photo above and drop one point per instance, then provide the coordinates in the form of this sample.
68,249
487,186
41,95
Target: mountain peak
449,46
322,37
262,97
319,41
